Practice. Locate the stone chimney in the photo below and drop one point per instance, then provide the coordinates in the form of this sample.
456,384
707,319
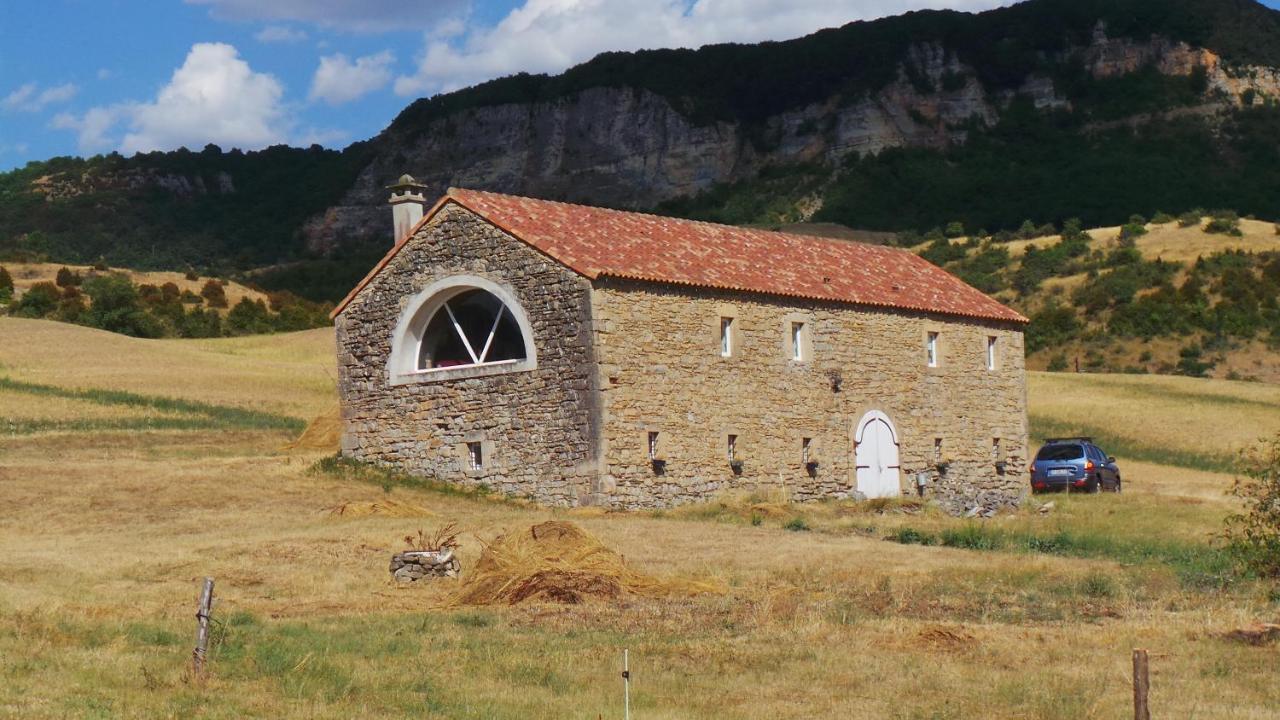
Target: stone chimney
408,201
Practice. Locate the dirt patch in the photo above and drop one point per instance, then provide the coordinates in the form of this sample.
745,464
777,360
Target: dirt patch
559,562
948,638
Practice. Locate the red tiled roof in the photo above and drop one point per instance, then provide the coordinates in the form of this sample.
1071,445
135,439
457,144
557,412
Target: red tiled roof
596,242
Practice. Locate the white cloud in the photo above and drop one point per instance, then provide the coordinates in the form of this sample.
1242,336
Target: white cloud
345,15
279,34
30,98
552,35
339,80
104,73
215,97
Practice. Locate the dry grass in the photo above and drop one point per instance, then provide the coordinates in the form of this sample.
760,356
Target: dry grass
557,561
27,274
104,536
292,374
1173,243
1167,417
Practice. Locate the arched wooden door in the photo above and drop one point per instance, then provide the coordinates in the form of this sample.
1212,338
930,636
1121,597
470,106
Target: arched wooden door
876,455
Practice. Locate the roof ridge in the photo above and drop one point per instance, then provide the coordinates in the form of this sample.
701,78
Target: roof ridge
672,218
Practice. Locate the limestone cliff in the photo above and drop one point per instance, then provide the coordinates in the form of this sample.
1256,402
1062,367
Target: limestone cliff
632,148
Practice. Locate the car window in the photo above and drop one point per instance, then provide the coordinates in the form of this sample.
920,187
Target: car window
1060,452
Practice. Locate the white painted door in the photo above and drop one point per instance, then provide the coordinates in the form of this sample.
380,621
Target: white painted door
877,458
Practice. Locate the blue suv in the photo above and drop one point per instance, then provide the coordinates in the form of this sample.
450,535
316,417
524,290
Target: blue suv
1074,463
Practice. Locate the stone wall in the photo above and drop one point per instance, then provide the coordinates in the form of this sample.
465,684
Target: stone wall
535,426
661,371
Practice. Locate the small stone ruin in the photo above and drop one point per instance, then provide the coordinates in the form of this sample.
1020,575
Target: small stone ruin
414,565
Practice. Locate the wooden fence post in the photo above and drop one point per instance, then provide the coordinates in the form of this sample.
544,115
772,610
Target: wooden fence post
202,628
1141,685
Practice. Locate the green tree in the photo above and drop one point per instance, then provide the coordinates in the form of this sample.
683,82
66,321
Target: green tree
37,302
1253,534
115,307
200,323
249,317
954,229
6,285
66,277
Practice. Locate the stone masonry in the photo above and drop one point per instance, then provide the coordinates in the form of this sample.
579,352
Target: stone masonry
537,427
618,360
662,371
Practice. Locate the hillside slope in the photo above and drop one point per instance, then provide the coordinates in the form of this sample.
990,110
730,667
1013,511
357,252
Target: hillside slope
1168,297
1047,109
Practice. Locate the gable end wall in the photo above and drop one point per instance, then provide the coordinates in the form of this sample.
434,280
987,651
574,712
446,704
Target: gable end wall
537,427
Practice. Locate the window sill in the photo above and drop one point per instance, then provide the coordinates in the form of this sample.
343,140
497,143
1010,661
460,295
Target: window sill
462,372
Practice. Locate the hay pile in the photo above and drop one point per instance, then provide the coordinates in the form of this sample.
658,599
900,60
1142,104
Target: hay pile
383,508
559,562
324,432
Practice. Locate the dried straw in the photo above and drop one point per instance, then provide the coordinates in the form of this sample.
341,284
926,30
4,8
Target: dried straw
558,561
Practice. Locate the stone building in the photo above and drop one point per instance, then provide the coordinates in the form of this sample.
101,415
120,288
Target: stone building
579,355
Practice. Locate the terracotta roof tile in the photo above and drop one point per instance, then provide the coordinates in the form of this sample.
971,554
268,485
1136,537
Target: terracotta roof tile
599,242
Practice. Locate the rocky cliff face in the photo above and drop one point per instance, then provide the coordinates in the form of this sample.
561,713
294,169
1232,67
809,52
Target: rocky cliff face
632,148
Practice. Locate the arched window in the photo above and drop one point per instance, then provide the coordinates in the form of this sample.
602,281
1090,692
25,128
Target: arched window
462,326
473,327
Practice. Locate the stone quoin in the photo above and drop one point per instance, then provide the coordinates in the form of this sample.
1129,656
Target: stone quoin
578,355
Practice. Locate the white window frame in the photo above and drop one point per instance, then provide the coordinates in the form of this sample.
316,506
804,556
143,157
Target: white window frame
931,348
798,330
806,444
726,337
653,445
475,454
992,341
406,340
732,447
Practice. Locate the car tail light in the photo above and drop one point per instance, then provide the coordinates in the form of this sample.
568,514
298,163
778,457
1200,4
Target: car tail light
1088,465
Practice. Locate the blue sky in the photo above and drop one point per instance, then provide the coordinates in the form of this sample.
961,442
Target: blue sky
79,77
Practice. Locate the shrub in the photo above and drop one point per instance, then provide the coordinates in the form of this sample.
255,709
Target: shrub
1136,219
213,292
67,278
1132,230
1054,325
38,302
1224,222
6,285
1162,218
1253,535
797,524
1190,361
1058,363
101,265
192,275
1190,218
954,229
190,298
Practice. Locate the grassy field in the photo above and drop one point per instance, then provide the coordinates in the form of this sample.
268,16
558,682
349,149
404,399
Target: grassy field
873,610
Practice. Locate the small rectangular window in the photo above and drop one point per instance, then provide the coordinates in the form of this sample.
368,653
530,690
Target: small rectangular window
726,337
805,445
797,341
653,446
475,453
991,353
733,447
937,449
932,349
995,450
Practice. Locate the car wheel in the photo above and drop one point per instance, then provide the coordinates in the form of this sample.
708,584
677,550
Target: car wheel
1117,484
1094,486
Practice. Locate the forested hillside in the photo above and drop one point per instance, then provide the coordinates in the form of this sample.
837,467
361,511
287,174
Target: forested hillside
1046,110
